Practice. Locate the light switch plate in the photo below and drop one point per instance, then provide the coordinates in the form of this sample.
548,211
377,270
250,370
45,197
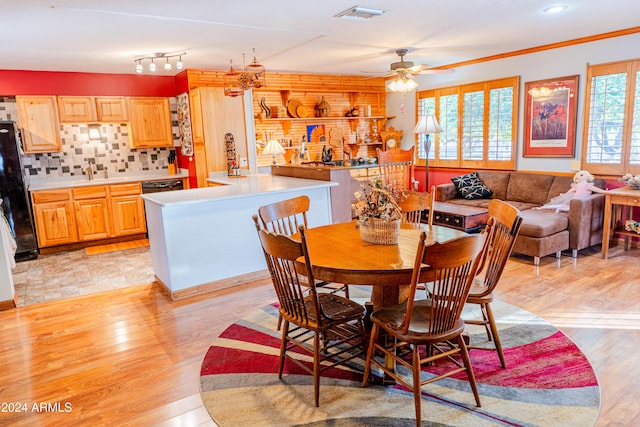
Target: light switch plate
243,162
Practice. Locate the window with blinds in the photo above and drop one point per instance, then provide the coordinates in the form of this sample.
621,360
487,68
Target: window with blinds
479,124
611,136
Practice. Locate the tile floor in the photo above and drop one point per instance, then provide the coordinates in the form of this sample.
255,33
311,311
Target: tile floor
74,273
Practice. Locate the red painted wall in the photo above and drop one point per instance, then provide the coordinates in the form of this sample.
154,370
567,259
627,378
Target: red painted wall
20,82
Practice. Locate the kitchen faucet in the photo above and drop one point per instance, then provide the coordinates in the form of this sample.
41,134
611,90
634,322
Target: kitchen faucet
89,171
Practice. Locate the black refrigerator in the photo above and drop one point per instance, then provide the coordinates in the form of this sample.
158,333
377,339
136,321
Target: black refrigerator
13,192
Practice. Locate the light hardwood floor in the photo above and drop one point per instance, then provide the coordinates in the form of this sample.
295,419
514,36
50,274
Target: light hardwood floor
132,357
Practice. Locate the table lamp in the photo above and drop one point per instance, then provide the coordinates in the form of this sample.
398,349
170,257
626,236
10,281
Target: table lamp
274,148
426,125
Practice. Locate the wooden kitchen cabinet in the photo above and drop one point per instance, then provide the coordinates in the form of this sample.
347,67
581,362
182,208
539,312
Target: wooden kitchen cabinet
197,126
212,116
150,122
77,109
127,208
40,124
92,212
112,109
88,109
54,217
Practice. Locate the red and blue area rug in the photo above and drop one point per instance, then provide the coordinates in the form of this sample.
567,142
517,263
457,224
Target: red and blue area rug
548,382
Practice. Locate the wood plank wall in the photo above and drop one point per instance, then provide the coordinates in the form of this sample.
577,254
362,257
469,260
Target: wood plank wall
343,93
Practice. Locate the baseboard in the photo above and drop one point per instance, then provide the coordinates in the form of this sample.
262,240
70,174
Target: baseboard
9,304
212,286
82,245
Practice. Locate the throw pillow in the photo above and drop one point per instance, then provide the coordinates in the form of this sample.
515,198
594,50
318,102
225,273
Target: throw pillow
471,187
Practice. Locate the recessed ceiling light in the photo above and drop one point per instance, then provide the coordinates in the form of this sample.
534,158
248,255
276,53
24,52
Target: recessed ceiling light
554,9
359,13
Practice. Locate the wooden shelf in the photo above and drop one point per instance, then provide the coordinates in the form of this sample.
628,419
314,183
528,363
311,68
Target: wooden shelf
320,119
285,122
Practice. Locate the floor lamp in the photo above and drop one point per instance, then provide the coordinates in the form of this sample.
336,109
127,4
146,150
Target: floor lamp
426,125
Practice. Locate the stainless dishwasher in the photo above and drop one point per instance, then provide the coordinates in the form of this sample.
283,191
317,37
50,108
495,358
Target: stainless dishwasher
161,185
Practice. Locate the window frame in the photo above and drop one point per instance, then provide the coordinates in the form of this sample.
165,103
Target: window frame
486,87
631,68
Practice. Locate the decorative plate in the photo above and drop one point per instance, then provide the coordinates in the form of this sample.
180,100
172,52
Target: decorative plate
292,107
302,111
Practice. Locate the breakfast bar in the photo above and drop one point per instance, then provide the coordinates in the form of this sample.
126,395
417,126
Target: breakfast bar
204,239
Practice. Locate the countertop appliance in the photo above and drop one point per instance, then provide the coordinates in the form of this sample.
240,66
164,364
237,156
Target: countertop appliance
161,185
13,191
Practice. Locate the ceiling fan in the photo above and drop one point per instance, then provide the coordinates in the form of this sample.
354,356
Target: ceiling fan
407,69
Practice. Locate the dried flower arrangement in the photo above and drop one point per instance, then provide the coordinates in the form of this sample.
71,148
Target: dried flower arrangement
374,201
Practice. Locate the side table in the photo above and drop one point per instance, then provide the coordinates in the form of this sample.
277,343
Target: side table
619,203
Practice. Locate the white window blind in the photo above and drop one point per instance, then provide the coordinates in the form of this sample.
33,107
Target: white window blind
473,126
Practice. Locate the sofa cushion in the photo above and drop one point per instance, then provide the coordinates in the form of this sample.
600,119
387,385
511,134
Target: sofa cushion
471,187
541,222
529,187
561,184
497,182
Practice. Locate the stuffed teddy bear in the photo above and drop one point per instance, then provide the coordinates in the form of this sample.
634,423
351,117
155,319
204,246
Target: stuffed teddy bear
582,186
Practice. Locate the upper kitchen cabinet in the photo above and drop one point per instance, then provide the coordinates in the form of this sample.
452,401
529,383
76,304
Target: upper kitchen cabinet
77,109
212,116
112,109
150,120
40,125
87,109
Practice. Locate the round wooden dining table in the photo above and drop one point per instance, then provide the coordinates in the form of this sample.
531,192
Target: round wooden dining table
339,255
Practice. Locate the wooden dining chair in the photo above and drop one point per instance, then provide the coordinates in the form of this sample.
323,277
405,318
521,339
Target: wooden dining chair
310,315
397,168
505,222
434,323
414,203
284,217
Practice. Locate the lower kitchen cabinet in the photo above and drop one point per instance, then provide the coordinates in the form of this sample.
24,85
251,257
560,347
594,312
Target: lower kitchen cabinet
54,217
127,208
88,213
92,212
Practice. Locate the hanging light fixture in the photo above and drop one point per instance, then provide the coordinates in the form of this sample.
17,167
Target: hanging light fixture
251,76
403,84
167,66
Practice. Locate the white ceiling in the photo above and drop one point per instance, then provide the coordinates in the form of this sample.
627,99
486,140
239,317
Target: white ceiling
288,35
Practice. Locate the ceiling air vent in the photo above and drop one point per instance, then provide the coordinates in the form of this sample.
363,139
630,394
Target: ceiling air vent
359,13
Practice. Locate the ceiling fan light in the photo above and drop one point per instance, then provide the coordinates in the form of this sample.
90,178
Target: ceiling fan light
402,84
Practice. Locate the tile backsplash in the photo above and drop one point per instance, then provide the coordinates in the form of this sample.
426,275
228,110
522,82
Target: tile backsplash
111,152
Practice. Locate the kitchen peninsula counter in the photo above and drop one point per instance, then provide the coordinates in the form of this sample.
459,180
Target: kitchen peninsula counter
204,239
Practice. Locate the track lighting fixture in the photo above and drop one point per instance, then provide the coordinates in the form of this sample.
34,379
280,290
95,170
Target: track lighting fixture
167,66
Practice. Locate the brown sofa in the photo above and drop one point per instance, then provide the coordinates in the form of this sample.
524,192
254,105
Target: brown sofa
543,231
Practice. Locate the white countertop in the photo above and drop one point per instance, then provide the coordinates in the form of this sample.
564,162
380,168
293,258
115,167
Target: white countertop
83,181
247,186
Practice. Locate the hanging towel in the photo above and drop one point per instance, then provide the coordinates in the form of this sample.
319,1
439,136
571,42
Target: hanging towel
7,240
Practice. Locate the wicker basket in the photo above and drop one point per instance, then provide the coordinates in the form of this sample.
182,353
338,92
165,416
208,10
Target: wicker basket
380,232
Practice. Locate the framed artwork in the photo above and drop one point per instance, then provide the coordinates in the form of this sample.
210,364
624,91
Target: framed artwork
315,133
550,117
